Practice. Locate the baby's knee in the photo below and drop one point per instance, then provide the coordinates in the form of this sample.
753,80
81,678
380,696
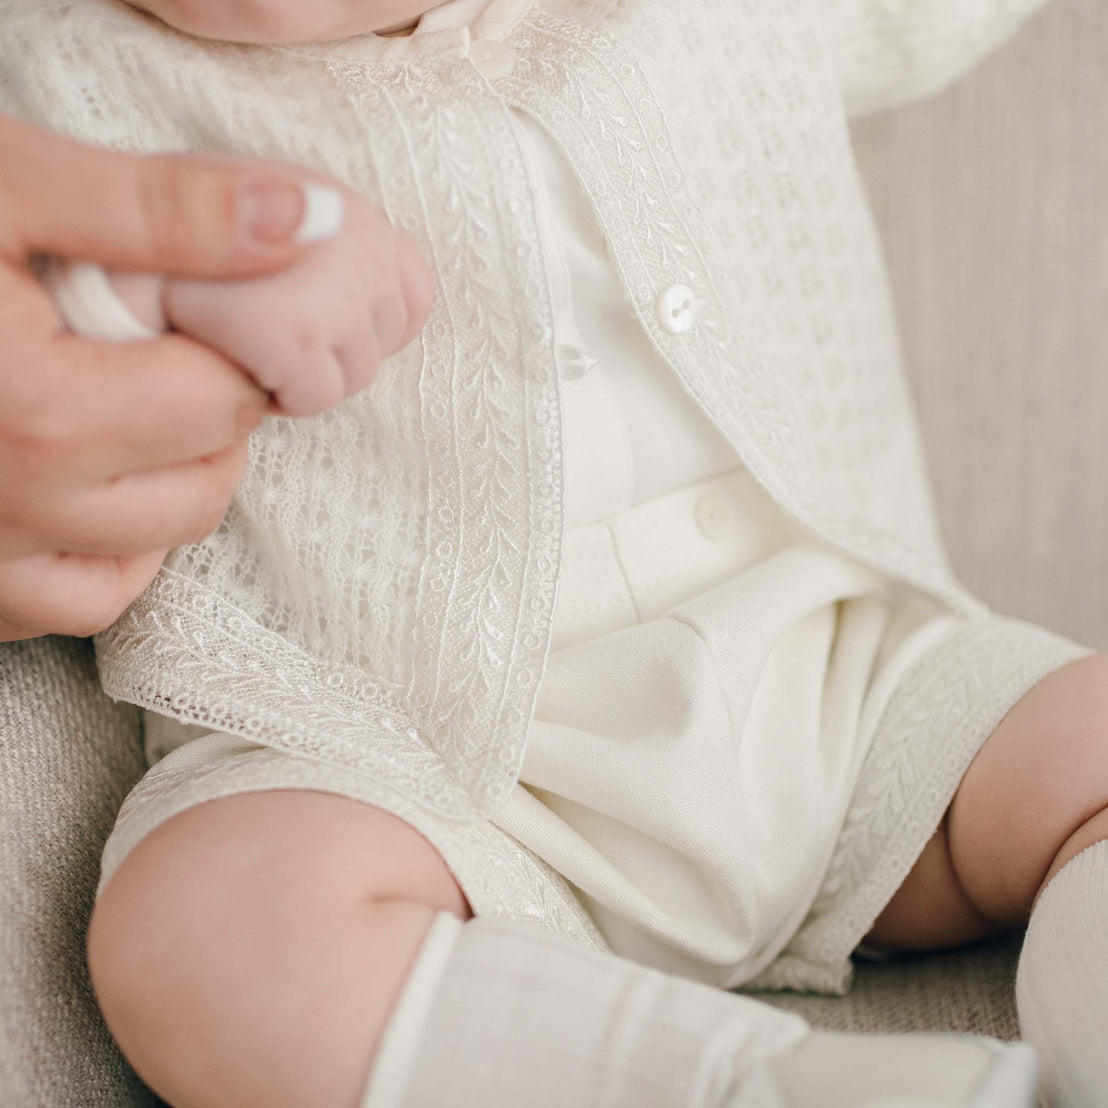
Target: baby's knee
228,975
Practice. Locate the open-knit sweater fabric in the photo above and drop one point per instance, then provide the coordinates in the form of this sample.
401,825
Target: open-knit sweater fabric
379,596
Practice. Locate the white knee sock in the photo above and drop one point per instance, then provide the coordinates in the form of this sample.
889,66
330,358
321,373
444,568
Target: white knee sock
503,1014
1062,982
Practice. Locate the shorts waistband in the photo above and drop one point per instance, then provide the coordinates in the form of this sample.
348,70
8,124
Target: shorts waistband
635,564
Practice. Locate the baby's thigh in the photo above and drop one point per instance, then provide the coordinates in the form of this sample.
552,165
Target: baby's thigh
1034,795
1039,779
250,948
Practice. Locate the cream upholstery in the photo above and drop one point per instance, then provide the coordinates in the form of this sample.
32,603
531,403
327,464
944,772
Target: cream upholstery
68,756
990,200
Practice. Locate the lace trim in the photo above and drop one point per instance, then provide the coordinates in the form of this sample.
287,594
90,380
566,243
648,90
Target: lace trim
499,876
184,652
486,595
932,728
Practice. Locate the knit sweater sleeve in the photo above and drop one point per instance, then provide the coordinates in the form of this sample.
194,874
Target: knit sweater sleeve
894,51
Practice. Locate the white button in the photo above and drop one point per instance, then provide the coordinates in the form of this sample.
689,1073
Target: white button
716,516
573,364
677,309
492,59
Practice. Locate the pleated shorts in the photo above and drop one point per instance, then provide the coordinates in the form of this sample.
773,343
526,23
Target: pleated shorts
742,741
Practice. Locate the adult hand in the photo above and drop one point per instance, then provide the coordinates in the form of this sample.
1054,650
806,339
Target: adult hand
111,454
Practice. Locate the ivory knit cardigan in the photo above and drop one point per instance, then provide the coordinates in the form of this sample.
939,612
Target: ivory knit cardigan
380,594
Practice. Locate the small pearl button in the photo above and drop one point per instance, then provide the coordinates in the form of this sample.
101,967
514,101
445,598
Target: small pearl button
716,516
492,59
573,364
677,310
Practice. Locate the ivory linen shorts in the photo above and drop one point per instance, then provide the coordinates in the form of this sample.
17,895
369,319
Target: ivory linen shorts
742,741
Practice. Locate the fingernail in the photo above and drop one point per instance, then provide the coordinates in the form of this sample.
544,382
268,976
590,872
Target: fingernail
324,211
276,212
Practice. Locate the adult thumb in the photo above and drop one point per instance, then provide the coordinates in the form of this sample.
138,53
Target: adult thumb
187,215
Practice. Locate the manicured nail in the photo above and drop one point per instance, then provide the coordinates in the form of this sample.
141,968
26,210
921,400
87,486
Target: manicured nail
276,211
324,211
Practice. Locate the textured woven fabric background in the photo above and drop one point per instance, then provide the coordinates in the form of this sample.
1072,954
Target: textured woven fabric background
968,990
68,756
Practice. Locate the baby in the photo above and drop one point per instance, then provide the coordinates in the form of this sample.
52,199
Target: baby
614,604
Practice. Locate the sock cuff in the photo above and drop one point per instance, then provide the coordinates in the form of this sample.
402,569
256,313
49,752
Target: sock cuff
1080,867
1061,987
392,1067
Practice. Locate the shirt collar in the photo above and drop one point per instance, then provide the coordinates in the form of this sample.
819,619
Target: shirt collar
447,29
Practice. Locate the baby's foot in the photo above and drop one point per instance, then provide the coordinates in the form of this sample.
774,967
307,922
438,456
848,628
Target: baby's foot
830,1070
310,335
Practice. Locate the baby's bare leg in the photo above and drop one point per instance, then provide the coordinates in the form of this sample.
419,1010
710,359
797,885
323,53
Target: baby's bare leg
1035,796
249,950
253,950
1026,838
270,949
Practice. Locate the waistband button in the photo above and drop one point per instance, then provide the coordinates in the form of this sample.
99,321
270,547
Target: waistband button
716,516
